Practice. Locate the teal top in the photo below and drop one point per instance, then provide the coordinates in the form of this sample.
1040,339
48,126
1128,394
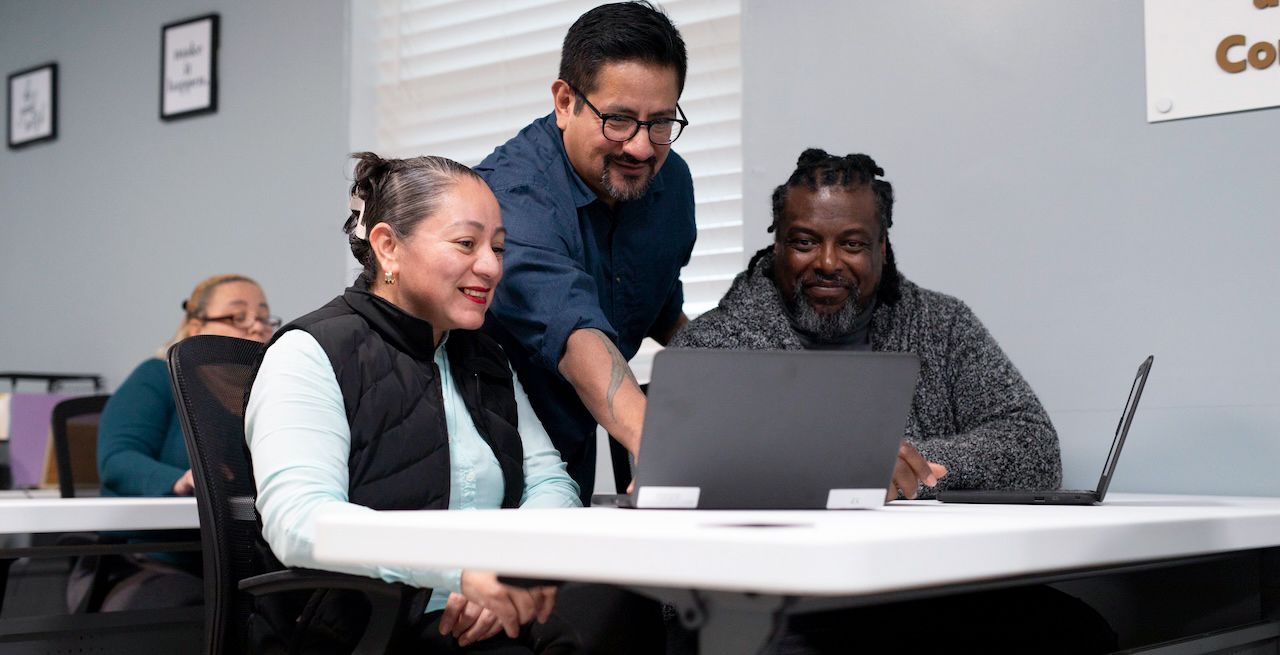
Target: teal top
140,447
141,451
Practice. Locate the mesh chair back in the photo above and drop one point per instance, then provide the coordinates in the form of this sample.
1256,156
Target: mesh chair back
82,410
210,376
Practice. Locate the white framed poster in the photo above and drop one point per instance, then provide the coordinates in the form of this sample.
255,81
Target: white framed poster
1211,57
189,67
33,105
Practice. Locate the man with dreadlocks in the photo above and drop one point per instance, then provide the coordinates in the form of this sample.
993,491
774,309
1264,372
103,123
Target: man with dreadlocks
829,281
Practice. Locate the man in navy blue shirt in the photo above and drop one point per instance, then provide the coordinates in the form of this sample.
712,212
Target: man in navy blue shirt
599,218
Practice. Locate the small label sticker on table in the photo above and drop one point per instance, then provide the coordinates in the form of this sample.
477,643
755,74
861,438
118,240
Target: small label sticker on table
855,498
668,497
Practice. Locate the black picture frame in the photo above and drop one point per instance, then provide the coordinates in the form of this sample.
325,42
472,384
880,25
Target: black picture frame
189,67
31,106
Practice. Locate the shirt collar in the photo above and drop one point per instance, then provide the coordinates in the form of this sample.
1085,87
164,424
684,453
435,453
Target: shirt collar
583,194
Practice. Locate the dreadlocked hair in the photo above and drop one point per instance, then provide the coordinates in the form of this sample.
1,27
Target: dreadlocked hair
817,169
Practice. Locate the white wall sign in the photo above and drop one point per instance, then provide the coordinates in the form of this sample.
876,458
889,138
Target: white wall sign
1211,57
33,105
189,67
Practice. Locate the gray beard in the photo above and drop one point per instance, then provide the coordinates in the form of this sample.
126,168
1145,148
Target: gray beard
620,192
824,327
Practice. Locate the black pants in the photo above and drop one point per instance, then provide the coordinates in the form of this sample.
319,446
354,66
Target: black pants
135,582
587,619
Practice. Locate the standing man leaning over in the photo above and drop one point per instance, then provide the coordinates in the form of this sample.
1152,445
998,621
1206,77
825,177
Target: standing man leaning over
599,217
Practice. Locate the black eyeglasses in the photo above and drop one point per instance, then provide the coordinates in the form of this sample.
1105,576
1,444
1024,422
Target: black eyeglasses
620,128
244,321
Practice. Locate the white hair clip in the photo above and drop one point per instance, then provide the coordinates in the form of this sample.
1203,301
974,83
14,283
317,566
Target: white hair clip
357,206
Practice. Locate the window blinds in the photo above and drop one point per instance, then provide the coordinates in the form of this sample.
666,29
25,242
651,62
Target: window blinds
459,77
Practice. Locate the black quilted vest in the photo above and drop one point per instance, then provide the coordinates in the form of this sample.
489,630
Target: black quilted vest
383,361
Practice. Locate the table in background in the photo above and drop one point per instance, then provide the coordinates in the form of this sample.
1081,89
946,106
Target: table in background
40,493
36,513
53,381
40,511
729,572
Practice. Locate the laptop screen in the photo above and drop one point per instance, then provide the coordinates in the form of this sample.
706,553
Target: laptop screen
738,429
1122,428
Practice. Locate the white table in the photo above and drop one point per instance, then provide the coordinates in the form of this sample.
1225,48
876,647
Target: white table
28,514
37,511
34,512
706,560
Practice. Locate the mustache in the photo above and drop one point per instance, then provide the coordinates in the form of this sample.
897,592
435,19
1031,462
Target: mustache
628,159
819,280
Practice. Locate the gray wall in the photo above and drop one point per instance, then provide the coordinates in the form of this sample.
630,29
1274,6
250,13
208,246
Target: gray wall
107,228
1030,185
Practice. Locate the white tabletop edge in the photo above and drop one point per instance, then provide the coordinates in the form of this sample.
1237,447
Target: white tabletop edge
34,515
902,546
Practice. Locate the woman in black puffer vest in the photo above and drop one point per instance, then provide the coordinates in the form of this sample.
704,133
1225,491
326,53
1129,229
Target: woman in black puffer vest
388,398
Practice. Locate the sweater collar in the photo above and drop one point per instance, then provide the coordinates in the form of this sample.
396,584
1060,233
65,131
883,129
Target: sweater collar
753,298
408,333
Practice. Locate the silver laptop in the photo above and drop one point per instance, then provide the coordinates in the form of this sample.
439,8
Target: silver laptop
1065,496
728,429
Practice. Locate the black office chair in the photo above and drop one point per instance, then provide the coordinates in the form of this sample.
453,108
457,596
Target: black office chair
103,568
84,408
210,376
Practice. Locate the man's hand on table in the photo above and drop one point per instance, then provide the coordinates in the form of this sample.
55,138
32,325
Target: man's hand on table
912,470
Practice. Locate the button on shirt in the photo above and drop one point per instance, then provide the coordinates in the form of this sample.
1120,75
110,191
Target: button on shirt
571,263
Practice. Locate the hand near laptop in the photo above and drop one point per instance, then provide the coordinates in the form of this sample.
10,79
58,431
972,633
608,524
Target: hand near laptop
912,470
511,606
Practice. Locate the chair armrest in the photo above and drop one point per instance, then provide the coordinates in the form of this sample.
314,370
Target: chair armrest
384,599
309,579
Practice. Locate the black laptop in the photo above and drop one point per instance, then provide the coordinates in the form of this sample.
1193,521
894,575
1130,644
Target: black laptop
1064,496
733,429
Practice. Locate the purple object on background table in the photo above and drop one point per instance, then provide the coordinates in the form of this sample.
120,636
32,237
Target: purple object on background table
29,430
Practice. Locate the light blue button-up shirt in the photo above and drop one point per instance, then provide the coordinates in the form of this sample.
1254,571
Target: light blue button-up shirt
296,427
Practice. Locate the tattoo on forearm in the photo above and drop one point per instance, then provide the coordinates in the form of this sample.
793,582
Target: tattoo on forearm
619,370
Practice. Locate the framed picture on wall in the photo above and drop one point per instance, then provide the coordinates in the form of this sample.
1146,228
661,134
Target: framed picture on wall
33,105
189,67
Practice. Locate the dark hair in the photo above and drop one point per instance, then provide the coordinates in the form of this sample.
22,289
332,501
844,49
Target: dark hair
400,193
816,168
622,31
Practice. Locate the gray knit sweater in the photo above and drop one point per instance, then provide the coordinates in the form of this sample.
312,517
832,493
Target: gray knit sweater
972,411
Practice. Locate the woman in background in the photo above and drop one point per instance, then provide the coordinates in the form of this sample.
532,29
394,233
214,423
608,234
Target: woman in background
141,451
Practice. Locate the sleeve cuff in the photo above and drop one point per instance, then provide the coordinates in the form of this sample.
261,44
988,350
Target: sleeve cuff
556,339
445,581
163,479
